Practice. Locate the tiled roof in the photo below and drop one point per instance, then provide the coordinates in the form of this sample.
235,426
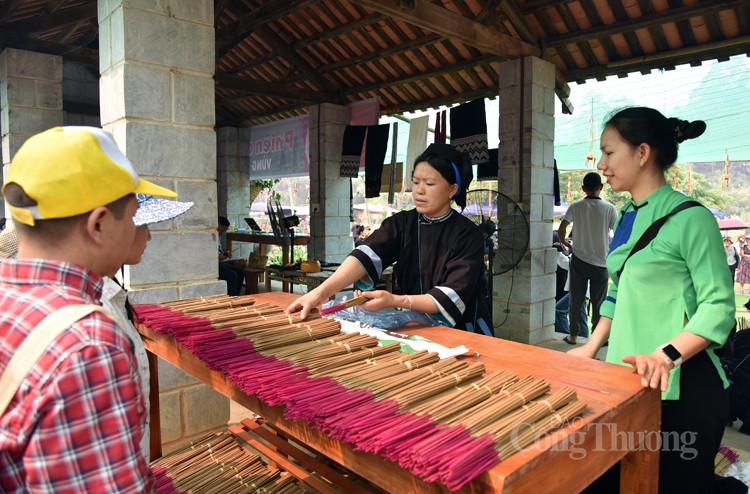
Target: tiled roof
274,58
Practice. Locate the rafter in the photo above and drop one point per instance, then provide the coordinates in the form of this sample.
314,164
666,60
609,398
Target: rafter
76,53
716,50
53,20
448,24
227,37
262,88
471,33
669,16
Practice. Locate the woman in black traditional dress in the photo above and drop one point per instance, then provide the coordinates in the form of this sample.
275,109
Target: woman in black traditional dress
439,254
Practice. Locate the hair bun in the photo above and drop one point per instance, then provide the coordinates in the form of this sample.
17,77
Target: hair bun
684,130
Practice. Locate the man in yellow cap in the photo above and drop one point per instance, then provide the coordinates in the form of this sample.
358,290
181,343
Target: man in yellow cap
72,409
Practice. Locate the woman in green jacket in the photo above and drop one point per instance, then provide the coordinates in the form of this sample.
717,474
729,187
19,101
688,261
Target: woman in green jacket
673,304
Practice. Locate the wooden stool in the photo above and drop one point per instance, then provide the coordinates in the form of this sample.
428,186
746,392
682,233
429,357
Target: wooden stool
252,276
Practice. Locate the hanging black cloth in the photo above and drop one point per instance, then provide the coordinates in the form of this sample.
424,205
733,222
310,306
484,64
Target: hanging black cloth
377,145
351,150
556,184
469,130
491,169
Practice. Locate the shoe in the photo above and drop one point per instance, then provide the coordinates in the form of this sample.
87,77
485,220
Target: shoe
568,341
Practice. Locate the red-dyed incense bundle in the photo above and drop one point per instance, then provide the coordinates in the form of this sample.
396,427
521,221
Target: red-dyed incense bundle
443,420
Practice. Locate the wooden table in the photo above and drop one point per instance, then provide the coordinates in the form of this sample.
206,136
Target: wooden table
565,461
265,239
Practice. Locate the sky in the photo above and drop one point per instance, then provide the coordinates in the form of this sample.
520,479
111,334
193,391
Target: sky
716,92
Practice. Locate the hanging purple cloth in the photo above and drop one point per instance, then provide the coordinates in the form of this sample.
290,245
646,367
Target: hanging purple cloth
469,130
440,123
351,150
377,145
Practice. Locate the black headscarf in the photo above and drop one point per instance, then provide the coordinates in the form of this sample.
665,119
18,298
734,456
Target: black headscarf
453,165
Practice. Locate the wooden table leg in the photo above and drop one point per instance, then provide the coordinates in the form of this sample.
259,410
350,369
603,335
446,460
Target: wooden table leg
155,419
285,262
639,472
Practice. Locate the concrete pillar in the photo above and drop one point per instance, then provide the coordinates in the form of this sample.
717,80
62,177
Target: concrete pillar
233,181
527,127
157,98
30,98
81,95
329,194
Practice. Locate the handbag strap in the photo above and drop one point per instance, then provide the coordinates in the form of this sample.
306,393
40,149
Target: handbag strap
36,343
652,230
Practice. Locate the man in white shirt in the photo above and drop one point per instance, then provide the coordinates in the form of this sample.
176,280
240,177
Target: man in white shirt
593,219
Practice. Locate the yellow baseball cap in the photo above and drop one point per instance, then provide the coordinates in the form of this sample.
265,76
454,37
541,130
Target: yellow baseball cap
73,170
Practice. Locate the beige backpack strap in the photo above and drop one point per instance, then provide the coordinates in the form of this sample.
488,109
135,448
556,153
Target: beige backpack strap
36,343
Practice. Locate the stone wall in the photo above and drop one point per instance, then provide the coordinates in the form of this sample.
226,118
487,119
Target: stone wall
30,98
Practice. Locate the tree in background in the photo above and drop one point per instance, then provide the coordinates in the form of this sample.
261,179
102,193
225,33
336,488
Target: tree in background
702,191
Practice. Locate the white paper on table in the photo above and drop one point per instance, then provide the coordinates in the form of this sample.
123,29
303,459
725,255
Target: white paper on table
414,342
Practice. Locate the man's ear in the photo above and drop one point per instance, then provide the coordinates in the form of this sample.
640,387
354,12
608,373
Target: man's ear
96,223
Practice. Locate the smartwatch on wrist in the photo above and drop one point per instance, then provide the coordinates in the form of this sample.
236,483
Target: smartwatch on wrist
672,354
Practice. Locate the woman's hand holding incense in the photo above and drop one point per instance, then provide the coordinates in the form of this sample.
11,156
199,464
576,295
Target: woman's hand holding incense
379,299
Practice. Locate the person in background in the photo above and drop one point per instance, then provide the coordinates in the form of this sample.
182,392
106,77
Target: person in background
151,210
76,420
562,305
672,305
233,275
439,253
359,239
733,257
592,219
743,270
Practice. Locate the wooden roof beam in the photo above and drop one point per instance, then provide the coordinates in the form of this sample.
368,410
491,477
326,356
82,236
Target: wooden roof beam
72,52
450,25
7,9
527,34
229,36
262,88
53,20
706,51
471,33
671,15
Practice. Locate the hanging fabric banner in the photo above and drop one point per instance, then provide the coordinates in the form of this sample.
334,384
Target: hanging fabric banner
280,149
469,130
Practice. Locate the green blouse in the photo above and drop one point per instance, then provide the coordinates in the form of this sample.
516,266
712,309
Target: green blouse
681,275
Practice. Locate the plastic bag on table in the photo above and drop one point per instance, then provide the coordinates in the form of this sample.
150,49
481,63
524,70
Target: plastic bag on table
390,318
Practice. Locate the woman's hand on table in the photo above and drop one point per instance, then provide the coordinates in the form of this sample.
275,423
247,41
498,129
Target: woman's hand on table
653,369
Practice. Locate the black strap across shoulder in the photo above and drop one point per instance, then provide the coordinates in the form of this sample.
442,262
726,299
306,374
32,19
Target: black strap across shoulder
652,230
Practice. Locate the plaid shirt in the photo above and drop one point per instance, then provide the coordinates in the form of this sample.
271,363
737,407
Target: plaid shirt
76,421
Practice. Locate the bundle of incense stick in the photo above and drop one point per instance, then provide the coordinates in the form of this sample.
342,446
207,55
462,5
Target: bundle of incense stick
217,464
441,419
352,302
724,458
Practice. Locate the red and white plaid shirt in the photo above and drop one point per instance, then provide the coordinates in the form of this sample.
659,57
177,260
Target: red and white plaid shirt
76,422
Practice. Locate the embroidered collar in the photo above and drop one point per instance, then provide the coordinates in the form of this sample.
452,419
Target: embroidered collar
426,220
